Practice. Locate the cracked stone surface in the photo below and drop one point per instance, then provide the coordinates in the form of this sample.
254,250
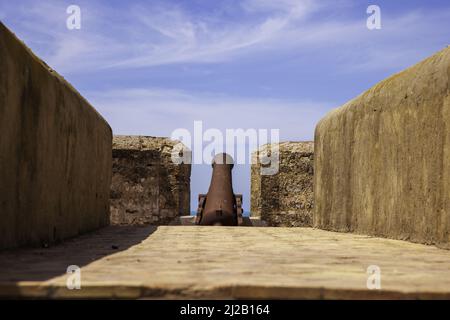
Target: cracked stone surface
226,262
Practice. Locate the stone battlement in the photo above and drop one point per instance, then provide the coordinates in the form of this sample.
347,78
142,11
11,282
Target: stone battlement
286,198
147,187
382,160
55,153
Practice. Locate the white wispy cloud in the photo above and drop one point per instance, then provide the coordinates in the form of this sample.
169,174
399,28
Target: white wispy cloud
292,8
184,38
160,111
163,33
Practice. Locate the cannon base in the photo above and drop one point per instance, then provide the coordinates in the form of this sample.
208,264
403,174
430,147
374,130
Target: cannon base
190,221
201,206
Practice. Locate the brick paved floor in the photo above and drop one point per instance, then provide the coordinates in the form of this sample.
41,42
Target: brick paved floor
226,262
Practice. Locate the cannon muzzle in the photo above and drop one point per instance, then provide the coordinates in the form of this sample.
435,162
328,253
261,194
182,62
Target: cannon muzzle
220,206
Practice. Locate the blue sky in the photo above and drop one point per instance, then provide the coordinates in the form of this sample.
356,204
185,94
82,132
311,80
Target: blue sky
150,67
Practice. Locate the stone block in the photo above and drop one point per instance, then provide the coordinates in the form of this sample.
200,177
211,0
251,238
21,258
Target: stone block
285,198
147,187
382,160
55,153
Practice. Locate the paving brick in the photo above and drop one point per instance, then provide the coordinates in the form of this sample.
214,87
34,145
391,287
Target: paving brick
227,262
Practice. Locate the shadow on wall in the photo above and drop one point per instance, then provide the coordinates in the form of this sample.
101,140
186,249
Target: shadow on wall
47,263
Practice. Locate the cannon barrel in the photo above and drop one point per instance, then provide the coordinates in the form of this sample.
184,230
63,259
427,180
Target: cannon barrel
220,206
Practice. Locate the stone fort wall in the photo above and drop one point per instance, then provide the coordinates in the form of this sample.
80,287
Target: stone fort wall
147,187
55,153
382,160
286,198
381,164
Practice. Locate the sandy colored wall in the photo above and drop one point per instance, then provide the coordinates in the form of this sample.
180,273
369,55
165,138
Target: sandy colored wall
55,153
286,198
147,187
382,160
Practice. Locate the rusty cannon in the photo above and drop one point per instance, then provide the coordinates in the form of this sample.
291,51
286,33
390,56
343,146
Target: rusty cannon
220,206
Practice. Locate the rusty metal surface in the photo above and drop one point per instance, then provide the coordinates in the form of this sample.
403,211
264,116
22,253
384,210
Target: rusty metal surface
220,206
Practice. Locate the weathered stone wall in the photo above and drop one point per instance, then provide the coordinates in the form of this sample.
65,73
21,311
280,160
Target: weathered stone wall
147,187
285,198
382,160
55,153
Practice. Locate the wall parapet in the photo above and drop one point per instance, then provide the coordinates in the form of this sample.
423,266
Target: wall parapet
55,153
147,187
382,162
285,198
